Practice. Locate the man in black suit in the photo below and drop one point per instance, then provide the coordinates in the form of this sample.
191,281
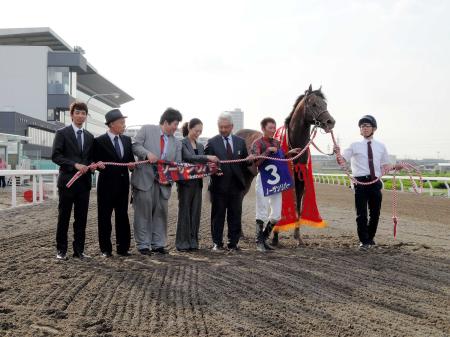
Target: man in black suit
227,190
72,151
113,184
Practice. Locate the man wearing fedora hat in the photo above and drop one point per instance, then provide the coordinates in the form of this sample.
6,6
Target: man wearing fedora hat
113,184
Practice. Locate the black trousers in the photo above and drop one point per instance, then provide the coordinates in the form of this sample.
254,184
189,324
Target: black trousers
229,204
79,200
189,211
367,197
108,201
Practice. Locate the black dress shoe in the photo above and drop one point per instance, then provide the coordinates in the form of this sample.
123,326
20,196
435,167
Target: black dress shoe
364,246
217,248
106,254
61,256
234,248
184,250
81,256
124,253
160,250
145,251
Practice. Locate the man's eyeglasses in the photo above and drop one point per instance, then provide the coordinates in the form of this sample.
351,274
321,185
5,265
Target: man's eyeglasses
366,126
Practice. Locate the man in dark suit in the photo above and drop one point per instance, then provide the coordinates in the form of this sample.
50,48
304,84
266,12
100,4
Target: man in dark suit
227,190
113,184
72,151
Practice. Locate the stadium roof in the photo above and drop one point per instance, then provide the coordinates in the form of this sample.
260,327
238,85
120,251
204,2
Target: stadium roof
90,82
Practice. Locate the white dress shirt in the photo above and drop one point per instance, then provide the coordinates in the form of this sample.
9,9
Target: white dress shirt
230,140
112,136
358,156
166,140
75,129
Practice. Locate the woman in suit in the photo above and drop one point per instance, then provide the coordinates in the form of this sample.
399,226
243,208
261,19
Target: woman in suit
190,191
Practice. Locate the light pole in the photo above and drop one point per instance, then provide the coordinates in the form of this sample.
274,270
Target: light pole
115,94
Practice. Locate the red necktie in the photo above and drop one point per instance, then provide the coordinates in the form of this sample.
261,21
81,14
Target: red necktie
162,143
370,155
229,150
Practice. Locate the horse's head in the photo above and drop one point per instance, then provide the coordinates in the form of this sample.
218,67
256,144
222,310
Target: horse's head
316,111
311,109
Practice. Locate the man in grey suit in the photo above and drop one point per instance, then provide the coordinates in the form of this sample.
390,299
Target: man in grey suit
150,199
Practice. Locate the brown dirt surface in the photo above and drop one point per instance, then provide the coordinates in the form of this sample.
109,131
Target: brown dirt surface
326,288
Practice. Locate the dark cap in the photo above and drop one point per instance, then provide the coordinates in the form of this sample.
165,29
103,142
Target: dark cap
113,115
368,119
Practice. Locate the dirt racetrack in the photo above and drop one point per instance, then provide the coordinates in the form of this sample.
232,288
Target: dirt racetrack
327,288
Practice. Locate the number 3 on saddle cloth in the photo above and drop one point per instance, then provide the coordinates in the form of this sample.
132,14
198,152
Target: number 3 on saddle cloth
309,212
275,175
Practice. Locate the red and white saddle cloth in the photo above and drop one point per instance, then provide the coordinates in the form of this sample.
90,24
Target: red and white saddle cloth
309,214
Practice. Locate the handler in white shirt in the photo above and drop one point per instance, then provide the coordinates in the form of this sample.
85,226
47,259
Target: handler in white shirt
369,159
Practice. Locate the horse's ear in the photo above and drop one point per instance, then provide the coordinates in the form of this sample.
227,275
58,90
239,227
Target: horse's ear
310,88
320,88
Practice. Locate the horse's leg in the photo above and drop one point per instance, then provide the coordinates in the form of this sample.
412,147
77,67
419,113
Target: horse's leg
299,189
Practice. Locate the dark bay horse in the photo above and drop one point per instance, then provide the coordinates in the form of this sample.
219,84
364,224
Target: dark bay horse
310,109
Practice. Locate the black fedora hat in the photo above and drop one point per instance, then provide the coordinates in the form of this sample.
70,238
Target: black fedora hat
113,115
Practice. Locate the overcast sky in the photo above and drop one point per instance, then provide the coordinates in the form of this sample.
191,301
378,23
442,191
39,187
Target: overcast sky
385,58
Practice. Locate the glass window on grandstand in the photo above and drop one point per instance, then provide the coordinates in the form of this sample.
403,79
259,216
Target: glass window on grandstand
40,137
59,80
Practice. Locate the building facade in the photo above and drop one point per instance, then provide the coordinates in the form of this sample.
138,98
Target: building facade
40,76
238,119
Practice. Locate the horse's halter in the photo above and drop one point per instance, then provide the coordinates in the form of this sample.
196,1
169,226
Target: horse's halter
315,117
316,122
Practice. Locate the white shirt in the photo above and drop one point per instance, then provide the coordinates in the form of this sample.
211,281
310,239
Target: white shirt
166,140
75,129
357,154
112,136
230,140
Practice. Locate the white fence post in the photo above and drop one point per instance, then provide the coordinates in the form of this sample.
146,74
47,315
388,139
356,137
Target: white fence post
34,189
41,189
431,187
13,192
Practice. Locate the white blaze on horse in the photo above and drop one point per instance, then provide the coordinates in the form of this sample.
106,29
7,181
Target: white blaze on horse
310,109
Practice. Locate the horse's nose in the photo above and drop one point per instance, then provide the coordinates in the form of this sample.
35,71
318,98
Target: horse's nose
330,123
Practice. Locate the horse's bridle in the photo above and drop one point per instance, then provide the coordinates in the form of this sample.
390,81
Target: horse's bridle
315,117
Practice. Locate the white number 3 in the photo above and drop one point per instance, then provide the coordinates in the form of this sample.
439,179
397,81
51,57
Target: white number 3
274,173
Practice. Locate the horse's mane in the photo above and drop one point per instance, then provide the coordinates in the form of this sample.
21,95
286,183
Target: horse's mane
317,92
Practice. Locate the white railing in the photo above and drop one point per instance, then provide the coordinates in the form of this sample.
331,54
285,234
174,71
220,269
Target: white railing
19,180
342,179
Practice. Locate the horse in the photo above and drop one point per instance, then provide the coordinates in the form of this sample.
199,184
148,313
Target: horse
310,109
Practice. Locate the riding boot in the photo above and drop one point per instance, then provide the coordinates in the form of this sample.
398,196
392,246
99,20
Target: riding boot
260,236
259,230
275,239
266,233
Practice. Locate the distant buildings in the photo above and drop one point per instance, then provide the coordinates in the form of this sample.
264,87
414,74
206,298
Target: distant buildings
238,119
40,76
